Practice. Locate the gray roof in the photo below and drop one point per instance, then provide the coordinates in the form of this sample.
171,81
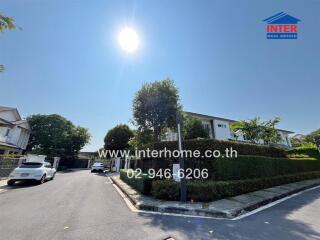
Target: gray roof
2,109
6,108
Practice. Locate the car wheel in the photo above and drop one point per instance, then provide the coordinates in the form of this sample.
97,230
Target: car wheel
42,180
10,182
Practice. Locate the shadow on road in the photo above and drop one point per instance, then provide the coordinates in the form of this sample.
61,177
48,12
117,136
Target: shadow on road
21,184
272,223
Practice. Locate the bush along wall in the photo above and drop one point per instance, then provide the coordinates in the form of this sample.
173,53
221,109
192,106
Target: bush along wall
213,190
246,167
141,183
306,152
242,167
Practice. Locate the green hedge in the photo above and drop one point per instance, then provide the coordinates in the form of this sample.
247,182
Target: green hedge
243,167
213,190
304,151
142,184
211,144
165,189
247,167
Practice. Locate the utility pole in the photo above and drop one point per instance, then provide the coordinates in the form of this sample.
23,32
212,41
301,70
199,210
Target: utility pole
183,186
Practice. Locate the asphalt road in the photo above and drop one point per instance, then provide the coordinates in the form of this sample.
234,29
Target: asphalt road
82,205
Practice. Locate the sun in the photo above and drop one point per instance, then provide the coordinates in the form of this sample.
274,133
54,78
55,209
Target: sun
128,40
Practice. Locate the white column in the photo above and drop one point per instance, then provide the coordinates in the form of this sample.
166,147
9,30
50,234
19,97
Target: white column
56,161
117,164
289,141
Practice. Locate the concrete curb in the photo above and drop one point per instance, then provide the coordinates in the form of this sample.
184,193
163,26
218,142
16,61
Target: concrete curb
225,208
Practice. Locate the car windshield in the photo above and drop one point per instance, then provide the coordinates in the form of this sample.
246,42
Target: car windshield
30,165
98,164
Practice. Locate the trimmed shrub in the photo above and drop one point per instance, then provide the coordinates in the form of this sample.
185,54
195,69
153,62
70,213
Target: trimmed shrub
309,152
247,167
213,190
141,183
211,144
165,189
242,167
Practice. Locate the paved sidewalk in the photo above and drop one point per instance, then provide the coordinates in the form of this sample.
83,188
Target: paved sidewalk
3,184
224,208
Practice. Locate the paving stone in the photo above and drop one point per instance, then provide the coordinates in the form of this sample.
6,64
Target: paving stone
279,190
265,194
295,186
225,205
247,198
3,183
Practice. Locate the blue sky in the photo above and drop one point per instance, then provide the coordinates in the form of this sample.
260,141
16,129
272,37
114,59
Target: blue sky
66,60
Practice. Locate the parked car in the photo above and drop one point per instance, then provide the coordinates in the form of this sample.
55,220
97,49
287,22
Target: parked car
35,171
97,167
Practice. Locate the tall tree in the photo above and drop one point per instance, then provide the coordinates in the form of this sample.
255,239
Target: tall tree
53,135
140,138
311,137
193,128
155,106
269,133
255,130
297,141
251,129
118,137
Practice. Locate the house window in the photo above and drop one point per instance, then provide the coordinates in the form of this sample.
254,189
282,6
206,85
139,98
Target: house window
4,131
7,132
222,125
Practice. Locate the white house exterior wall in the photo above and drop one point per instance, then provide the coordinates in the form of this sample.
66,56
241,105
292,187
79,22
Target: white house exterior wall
8,115
14,136
221,130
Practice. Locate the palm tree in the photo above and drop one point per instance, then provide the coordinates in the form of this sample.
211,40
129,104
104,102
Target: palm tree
5,23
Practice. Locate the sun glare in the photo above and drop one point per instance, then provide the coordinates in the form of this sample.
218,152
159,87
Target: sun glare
128,40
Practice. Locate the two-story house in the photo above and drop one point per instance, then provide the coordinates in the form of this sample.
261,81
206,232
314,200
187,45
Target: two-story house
219,128
14,131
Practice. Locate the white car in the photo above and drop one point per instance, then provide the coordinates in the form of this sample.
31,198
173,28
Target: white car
97,167
37,171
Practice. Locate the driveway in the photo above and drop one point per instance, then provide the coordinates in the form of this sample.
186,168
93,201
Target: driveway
84,205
